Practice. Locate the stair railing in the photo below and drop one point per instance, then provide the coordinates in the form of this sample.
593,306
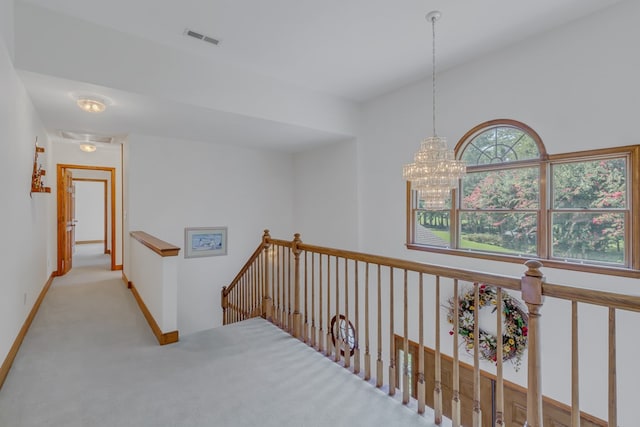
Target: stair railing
322,296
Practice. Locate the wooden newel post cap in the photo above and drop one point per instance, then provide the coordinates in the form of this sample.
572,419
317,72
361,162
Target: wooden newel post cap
534,267
531,284
266,237
296,242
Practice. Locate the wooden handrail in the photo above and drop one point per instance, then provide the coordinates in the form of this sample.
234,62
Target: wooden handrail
158,246
254,256
507,282
601,298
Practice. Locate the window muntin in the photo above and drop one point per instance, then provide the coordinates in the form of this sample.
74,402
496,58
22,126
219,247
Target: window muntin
500,144
547,204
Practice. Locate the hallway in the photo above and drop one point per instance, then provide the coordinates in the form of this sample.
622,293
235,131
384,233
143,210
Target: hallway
68,368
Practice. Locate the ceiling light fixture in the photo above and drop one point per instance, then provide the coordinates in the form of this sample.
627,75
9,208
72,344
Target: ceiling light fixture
435,170
91,105
87,147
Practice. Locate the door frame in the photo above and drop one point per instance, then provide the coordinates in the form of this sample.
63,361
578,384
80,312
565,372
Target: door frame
60,210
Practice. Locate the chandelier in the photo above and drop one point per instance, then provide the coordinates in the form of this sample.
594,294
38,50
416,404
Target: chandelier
435,170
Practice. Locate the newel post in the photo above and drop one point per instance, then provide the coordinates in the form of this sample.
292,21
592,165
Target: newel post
267,301
224,301
297,317
531,287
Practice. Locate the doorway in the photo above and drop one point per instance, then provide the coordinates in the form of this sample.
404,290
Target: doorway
91,213
66,221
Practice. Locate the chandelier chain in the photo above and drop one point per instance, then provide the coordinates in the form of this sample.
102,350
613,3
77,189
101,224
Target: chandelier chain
433,71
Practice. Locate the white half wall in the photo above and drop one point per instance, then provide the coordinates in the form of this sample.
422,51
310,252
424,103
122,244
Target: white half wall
176,184
155,279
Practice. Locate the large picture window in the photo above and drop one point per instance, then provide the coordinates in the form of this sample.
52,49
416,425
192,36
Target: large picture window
516,201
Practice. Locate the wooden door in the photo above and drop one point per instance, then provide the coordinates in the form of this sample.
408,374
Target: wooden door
72,214
65,221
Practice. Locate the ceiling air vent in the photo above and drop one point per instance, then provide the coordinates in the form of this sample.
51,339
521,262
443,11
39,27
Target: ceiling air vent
202,37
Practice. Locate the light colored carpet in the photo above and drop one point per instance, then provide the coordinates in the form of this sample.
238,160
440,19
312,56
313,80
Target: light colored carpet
90,359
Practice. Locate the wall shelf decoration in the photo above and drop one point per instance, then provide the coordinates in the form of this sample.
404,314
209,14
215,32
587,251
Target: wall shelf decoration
37,180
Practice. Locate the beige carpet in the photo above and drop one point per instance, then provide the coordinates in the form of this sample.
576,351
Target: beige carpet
90,359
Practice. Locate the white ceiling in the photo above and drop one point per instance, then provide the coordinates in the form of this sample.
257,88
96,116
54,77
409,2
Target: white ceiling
295,57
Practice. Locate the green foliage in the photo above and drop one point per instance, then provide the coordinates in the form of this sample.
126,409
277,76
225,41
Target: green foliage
500,209
598,189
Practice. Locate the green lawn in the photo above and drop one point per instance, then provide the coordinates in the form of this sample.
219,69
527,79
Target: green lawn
613,256
468,244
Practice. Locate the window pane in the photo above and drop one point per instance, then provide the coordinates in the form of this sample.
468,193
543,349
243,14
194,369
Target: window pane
598,184
433,228
500,145
504,189
513,233
590,236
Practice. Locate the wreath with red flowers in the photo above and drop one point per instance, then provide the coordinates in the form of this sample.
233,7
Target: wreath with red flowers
515,330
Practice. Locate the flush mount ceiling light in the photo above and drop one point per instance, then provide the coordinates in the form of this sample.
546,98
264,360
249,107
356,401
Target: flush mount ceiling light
87,147
434,171
91,105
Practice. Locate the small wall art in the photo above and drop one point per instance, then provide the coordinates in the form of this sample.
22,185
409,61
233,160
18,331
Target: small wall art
205,241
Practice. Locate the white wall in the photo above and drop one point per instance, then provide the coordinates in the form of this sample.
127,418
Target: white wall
325,191
577,87
7,25
176,184
90,214
27,229
106,156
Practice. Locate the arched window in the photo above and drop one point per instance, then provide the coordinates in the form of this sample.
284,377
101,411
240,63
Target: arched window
500,197
518,202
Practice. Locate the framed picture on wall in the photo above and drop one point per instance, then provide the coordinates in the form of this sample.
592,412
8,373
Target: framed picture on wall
205,241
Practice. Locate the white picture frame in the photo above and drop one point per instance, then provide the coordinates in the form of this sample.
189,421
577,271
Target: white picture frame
205,241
